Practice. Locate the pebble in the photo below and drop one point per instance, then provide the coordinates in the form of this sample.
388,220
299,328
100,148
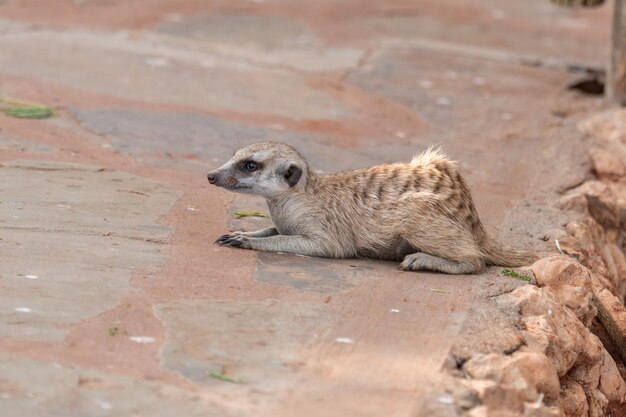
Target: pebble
344,340
445,399
142,339
426,84
174,17
479,81
157,62
103,404
498,14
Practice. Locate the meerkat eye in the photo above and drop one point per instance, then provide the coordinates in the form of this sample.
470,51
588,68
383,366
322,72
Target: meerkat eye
251,166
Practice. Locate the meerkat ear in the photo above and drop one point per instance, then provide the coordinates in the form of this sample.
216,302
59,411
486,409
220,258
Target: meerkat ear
292,174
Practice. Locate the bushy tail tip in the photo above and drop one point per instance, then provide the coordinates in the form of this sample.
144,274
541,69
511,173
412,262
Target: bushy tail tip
499,254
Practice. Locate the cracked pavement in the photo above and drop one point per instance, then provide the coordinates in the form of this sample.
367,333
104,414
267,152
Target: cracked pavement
114,300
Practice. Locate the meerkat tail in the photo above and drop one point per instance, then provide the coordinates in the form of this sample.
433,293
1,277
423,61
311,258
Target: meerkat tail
499,254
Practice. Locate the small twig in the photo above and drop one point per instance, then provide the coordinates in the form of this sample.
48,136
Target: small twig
222,377
558,246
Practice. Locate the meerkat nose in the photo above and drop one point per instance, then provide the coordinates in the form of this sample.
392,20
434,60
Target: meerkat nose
211,177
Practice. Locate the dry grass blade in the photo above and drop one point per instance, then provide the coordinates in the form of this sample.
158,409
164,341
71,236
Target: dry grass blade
222,377
515,274
24,109
241,214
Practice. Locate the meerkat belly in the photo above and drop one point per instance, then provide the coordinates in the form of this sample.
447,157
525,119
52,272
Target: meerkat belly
395,250
376,238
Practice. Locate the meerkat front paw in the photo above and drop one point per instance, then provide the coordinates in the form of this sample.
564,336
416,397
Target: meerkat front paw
228,236
235,240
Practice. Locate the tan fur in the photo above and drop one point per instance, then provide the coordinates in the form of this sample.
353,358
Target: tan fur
419,212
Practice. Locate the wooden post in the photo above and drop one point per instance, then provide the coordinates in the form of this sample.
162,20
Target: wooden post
616,74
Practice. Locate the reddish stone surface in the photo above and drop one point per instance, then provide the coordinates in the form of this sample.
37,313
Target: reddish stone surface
152,104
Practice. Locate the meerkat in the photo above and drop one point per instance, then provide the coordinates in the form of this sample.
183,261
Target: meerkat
420,213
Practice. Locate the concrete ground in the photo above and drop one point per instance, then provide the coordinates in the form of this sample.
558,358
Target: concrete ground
114,300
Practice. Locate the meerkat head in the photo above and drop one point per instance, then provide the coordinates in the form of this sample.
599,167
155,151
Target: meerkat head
268,169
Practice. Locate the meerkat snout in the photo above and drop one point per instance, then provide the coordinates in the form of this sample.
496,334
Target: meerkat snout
420,212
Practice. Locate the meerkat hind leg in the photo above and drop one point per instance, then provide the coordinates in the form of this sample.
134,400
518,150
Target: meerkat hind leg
420,261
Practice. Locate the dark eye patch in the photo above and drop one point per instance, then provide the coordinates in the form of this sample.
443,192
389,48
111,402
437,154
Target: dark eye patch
249,166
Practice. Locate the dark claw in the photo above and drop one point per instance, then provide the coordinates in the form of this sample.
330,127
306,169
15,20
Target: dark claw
232,242
222,239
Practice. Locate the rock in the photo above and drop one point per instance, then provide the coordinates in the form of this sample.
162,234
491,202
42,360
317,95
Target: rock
601,202
611,383
619,260
608,126
553,329
494,397
572,398
503,399
586,374
597,402
518,378
556,344
488,366
480,411
570,282
490,330
540,410
464,396
612,314
576,202
619,190
455,396
588,245
539,372
540,336
606,165
565,341
503,371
